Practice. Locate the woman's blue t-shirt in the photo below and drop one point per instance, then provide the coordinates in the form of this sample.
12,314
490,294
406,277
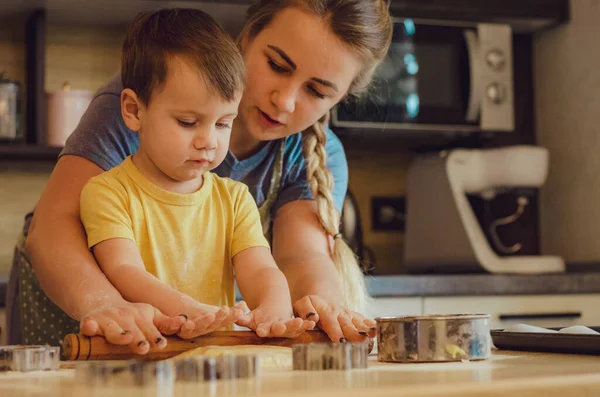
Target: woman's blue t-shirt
103,138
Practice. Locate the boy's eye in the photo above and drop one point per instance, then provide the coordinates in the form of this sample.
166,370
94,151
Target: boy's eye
276,67
223,125
186,124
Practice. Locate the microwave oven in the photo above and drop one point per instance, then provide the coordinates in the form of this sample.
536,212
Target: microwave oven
440,76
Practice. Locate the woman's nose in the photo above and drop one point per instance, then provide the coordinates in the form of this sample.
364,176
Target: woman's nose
284,99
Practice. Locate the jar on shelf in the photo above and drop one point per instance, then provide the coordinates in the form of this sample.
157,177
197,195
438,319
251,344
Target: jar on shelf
10,110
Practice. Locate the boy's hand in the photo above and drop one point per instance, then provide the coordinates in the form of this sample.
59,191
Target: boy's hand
272,321
202,319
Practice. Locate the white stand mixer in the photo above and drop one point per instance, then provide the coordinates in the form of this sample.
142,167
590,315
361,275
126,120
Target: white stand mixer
442,230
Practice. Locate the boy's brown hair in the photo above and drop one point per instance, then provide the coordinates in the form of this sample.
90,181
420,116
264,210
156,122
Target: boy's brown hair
154,37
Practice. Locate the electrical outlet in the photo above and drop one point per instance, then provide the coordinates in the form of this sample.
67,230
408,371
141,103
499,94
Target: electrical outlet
388,213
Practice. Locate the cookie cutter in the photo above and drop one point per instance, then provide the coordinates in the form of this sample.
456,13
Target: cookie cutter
125,373
166,373
330,356
433,338
24,358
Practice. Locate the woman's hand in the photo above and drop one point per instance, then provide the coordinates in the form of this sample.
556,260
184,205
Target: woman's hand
339,323
274,321
137,325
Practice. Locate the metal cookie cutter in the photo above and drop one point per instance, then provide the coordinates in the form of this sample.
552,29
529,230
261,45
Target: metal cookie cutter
126,373
433,338
327,356
165,373
237,366
29,358
196,369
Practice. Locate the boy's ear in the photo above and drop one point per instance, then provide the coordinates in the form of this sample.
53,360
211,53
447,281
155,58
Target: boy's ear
131,109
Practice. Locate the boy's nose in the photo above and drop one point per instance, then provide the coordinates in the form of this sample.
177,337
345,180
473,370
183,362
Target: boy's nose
206,140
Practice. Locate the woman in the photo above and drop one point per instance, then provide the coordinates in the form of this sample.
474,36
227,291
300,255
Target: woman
297,70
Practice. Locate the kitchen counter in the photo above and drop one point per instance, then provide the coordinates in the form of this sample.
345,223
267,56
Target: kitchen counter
483,284
526,374
462,285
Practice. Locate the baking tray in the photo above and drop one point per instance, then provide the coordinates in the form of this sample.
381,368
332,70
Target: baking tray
548,342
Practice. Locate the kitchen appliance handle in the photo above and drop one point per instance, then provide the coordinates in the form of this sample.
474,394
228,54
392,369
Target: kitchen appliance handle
475,68
540,316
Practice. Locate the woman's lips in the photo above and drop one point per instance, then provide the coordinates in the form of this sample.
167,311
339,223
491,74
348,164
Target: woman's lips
268,121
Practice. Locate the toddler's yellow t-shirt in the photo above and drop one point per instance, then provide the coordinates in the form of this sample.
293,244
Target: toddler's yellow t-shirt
187,241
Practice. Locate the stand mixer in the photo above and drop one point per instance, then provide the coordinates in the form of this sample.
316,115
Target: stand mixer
442,231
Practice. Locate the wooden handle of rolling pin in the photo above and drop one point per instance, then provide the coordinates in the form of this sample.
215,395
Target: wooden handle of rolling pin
81,347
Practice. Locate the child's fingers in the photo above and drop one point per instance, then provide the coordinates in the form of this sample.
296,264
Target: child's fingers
247,320
293,326
234,314
221,319
305,309
263,330
242,306
221,316
297,327
188,329
278,328
168,325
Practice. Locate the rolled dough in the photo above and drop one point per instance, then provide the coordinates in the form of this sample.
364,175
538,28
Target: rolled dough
273,357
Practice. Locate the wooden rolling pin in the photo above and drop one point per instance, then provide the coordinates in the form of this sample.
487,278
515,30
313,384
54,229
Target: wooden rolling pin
81,347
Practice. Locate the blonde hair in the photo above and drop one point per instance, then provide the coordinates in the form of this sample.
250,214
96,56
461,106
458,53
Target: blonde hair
365,26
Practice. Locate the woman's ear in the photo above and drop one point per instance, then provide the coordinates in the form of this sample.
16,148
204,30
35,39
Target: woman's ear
243,42
131,109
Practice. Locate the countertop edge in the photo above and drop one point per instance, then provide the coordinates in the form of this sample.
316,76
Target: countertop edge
415,286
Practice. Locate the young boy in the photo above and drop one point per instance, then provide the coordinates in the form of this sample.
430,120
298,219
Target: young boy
164,229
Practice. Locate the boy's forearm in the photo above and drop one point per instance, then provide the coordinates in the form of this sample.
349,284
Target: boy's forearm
148,289
266,285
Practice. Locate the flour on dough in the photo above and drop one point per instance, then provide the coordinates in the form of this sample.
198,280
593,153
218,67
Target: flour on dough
272,357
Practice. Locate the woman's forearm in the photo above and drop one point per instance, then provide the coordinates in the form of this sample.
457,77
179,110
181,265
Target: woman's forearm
312,275
57,246
66,269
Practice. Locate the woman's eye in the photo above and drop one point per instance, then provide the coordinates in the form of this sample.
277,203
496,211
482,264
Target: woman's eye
186,124
316,92
276,67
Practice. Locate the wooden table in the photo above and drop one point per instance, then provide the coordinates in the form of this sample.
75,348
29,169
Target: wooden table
525,374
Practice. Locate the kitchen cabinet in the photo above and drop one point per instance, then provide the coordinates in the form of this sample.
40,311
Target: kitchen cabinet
525,16
528,15
538,310
24,152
